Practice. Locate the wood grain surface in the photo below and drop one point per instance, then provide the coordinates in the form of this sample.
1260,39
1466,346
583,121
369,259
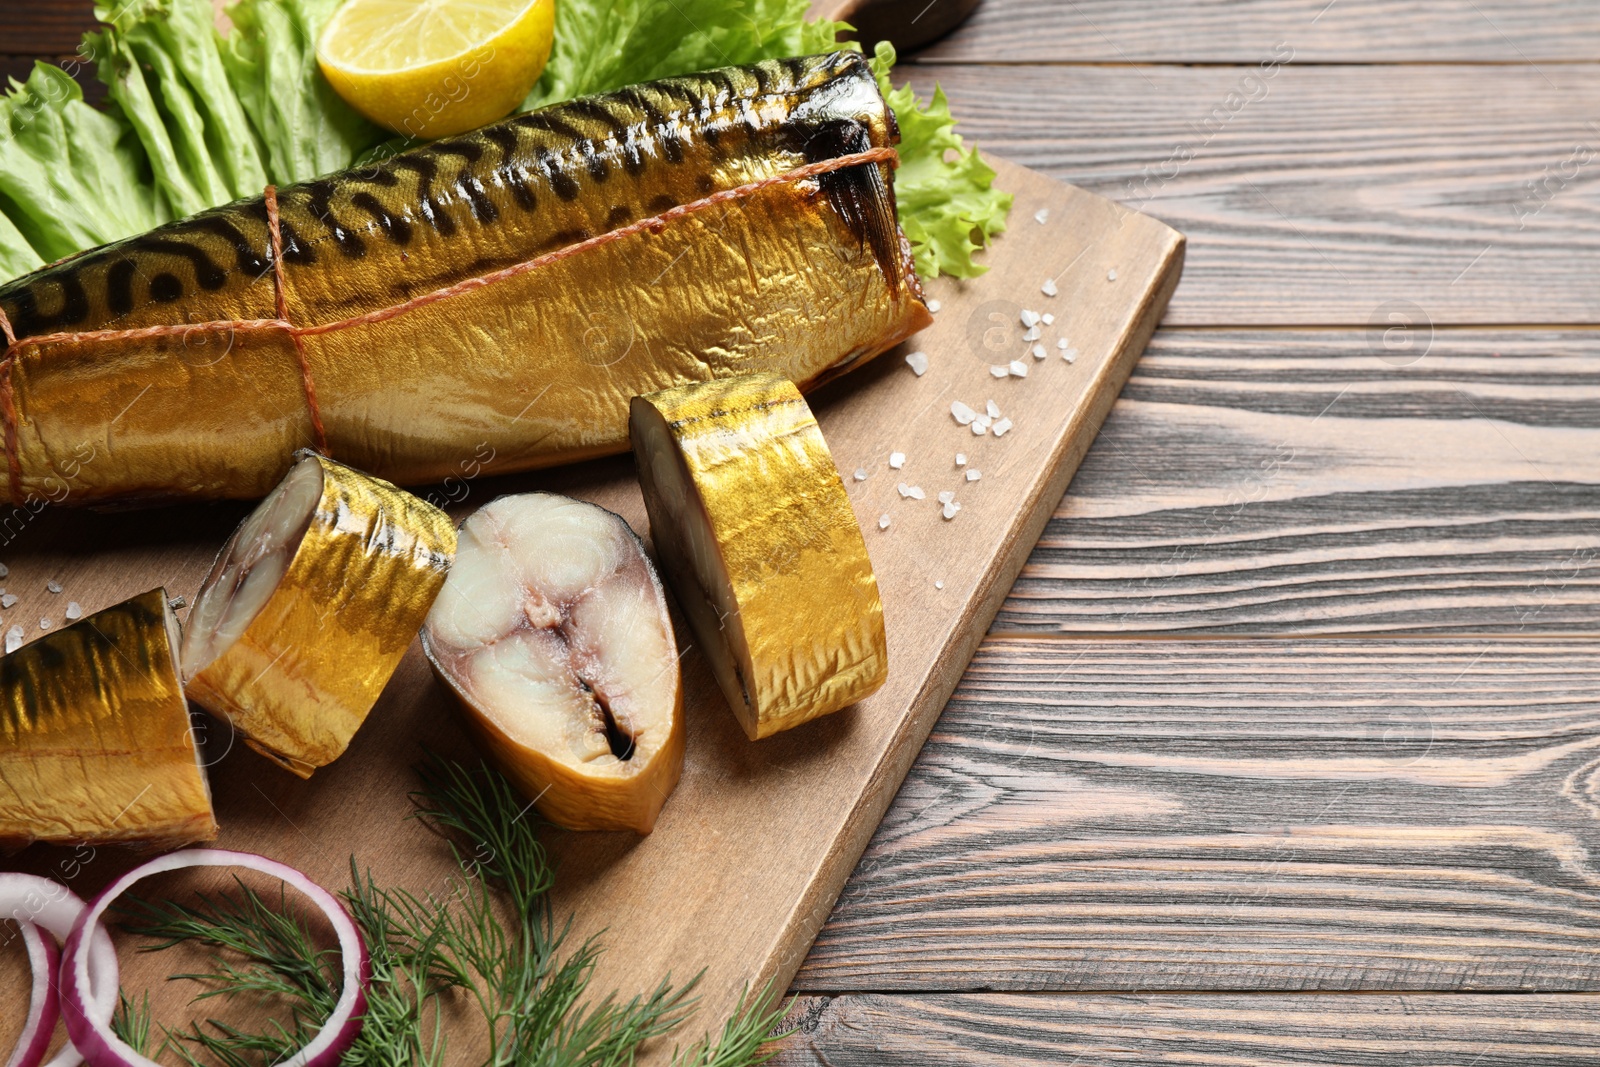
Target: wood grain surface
1277,481
1325,194
755,844
1364,814
1218,1030
1238,31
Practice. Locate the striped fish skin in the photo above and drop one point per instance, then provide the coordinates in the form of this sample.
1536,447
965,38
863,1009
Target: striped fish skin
96,744
800,278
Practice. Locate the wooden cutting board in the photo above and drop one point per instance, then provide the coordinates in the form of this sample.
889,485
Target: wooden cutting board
757,842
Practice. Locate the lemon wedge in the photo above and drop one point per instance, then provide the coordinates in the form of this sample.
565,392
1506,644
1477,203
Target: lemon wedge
432,68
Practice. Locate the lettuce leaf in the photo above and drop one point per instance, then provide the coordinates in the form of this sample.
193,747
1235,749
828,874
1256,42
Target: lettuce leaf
948,204
198,118
606,44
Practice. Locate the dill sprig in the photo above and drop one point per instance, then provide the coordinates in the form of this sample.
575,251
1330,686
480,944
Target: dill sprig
491,938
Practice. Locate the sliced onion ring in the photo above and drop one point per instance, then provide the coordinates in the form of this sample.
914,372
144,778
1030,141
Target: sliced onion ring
35,904
102,1048
43,1010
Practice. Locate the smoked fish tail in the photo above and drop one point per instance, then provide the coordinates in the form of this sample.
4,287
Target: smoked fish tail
692,228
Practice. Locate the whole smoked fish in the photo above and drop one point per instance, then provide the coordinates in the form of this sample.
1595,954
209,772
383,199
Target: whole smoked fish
682,230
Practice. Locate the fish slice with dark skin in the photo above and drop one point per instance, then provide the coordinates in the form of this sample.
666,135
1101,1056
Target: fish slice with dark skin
553,632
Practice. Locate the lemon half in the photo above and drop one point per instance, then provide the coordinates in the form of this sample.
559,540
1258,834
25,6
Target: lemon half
432,68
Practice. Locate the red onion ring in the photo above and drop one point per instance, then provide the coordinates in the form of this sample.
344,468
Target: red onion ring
36,903
102,1048
43,1009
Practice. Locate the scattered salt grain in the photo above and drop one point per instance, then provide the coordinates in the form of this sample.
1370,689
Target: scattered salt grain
992,408
861,474
934,306
13,639
1019,369
897,460
883,522
918,362
946,496
974,474
53,586
1040,215
74,610
1038,352
8,600
1049,287
913,491
937,584
998,372
1032,333
45,624
961,459
962,413
4,570
950,509
177,603
1001,427
1063,344
1070,355
1029,318
1048,319
979,428
1111,275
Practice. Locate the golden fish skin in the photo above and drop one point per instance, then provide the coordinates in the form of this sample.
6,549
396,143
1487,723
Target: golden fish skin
759,542
803,278
301,678
95,739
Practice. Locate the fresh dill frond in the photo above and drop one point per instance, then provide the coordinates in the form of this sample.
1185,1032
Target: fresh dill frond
131,1022
490,940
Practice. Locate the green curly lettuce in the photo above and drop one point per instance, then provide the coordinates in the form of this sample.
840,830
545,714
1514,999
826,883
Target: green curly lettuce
948,204
196,117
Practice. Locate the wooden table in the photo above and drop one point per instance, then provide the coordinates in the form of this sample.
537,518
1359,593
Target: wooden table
1296,698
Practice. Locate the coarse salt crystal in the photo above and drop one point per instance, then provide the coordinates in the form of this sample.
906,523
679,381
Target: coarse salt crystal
1049,288
962,413
979,428
1019,369
74,610
974,474
937,584
177,603
984,421
4,570
934,306
861,474
950,509
45,624
1063,344
1048,319
1032,333
992,408
53,586
897,460
8,600
1001,427
961,459
1040,215
913,491
1029,318
14,639
918,362
883,522
998,372
1111,275
946,496
1038,352
1070,355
